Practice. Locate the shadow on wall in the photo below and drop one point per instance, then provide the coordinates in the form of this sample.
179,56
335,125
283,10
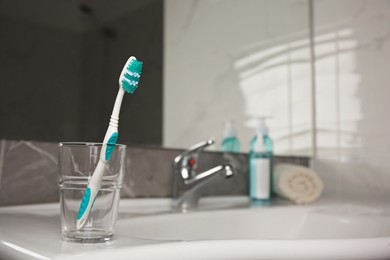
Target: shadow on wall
352,60
275,81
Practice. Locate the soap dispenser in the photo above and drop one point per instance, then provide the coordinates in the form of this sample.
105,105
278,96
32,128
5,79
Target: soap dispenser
260,164
230,142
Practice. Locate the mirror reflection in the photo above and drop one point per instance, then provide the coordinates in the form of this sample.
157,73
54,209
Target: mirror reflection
211,68
224,61
228,63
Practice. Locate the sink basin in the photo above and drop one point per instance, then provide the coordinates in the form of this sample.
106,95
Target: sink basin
221,229
287,222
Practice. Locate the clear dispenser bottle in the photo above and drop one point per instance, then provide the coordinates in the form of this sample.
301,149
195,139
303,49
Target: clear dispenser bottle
260,165
230,142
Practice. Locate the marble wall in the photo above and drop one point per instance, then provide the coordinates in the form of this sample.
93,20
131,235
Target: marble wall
28,172
352,59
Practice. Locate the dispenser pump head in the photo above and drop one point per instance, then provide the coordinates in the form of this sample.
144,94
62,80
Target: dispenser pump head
261,126
229,130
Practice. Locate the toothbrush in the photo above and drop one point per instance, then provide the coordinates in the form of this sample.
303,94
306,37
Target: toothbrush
128,81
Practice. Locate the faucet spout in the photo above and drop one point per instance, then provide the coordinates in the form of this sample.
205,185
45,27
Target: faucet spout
188,184
191,189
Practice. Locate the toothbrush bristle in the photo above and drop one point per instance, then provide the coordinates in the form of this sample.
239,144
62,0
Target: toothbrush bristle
132,75
135,66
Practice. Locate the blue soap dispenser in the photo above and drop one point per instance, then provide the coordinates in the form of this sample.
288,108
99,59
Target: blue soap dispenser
230,142
260,165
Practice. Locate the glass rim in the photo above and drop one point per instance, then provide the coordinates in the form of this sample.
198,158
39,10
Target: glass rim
87,144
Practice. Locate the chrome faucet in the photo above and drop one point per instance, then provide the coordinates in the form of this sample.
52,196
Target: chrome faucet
187,183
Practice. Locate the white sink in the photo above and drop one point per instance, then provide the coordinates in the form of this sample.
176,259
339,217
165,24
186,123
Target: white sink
147,230
281,222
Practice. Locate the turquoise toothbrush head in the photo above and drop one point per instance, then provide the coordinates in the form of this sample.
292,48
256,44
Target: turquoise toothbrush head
130,75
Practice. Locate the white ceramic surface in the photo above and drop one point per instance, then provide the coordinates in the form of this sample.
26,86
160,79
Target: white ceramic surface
146,229
328,222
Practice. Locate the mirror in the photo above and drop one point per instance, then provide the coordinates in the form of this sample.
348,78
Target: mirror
205,62
237,60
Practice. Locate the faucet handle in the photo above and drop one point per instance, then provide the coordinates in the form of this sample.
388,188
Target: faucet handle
194,150
188,160
199,147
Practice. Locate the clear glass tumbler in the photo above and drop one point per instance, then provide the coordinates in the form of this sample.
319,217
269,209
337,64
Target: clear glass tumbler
76,164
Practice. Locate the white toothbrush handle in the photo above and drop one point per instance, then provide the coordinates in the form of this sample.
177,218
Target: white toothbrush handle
105,154
97,176
90,195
